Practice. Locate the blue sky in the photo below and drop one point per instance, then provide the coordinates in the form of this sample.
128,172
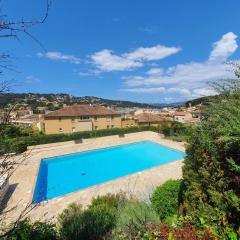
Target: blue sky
147,51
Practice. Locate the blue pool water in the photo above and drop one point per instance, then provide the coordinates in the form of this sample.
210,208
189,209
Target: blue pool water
68,173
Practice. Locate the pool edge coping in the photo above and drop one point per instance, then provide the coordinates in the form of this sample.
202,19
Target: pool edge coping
99,184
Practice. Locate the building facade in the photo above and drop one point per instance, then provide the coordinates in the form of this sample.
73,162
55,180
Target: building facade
186,117
79,118
148,119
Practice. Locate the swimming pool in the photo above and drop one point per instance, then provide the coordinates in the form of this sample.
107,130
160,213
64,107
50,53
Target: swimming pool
60,175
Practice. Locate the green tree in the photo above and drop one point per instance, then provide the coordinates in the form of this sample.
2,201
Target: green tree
211,170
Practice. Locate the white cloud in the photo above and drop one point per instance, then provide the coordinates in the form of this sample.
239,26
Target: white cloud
149,30
88,73
58,56
223,48
145,90
190,79
183,91
106,60
152,53
155,71
31,79
202,92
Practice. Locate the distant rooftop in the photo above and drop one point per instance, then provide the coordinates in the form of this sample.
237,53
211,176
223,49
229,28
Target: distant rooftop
148,118
81,110
181,113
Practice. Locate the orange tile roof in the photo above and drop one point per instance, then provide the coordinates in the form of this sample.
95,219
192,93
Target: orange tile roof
148,118
81,110
180,113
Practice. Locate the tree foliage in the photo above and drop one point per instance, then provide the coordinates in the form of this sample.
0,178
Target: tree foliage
212,167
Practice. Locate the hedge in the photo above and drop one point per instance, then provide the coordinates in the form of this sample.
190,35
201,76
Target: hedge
54,138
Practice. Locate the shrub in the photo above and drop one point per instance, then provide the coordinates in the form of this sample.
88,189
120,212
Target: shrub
37,139
68,222
9,146
19,147
177,130
133,219
32,231
9,131
111,200
188,232
165,198
93,223
97,221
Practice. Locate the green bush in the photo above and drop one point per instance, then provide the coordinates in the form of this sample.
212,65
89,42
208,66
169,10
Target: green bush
111,200
98,221
165,199
9,146
37,139
32,231
133,219
69,224
18,147
176,129
93,223
9,131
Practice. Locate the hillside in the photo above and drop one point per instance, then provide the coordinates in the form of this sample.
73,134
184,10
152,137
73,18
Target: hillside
202,100
55,101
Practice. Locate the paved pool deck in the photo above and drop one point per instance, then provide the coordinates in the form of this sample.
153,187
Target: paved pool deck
139,185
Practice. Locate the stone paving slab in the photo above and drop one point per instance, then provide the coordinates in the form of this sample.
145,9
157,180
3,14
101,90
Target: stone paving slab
139,184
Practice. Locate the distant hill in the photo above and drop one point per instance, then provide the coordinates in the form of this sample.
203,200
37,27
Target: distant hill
175,104
202,100
55,101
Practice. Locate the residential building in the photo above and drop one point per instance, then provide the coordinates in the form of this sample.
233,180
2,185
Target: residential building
24,112
148,119
187,117
78,118
182,117
26,121
129,122
128,118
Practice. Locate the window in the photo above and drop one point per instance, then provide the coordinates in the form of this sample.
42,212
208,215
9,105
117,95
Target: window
60,130
107,126
73,120
84,117
59,119
96,127
112,126
73,129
